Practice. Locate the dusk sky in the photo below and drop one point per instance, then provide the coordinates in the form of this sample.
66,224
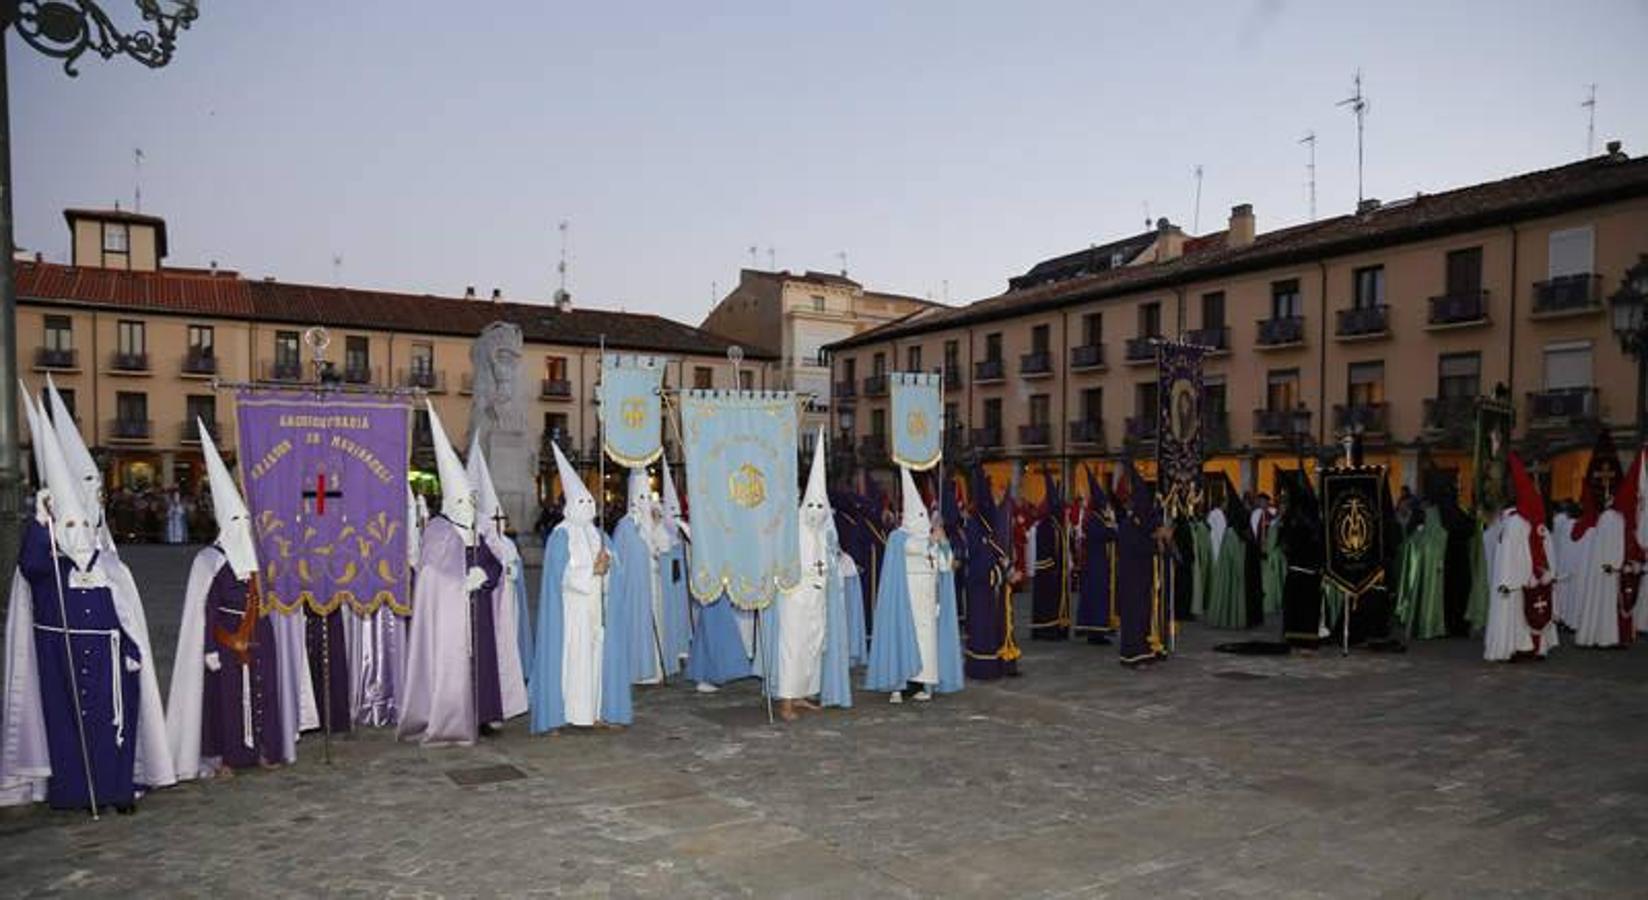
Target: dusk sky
437,145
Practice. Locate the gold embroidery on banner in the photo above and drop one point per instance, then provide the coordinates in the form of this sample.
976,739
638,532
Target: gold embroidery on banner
634,411
747,486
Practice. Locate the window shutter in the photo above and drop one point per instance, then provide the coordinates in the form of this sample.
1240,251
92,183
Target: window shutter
1570,251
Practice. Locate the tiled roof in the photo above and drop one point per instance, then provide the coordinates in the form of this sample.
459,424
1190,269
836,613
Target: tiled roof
1082,262
221,296
1602,179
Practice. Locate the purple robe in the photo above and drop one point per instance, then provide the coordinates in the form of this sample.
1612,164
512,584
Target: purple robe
1136,585
329,668
438,707
1095,615
223,713
488,690
1050,604
991,652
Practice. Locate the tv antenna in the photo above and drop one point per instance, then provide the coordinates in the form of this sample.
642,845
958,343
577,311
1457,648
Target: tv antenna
715,294
561,267
1310,170
1591,124
337,270
1196,216
842,255
1358,104
753,252
137,166
772,259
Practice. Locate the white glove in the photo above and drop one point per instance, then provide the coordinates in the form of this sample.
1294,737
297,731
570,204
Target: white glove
212,662
133,665
42,506
474,578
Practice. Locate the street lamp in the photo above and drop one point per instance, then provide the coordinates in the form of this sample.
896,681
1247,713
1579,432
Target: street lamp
66,30
1629,308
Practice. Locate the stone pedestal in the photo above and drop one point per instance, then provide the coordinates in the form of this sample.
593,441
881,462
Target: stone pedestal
512,457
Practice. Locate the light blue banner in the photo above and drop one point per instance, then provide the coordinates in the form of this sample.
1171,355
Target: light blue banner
631,431
742,490
918,420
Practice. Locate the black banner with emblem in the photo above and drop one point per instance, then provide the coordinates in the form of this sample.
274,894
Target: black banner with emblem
1179,438
1353,507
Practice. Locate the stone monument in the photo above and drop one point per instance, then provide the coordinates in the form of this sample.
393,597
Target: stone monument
497,415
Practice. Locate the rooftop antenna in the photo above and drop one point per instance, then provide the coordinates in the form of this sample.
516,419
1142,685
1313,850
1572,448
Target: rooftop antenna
337,270
772,259
561,267
1359,105
1590,125
946,292
715,294
1310,170
1148,226
753,251
1196,217
842,255
137,166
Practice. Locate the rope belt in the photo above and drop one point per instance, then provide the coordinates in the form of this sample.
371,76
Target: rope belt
115,686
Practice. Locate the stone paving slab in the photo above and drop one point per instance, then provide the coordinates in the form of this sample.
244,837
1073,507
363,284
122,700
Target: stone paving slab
1424,774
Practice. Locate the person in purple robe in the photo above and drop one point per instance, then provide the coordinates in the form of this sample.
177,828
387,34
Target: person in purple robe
988,581
1095,583
1049,592
856,542
1139,561
225,711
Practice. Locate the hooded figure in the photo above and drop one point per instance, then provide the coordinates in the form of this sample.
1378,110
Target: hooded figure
224,708
672,573
82,467
1301,539
511,624
1096,581
1520,613
82,724
636,587
805,630
916,637
991,651
451,685
1049,590
1601,532
580,664
1140,602
1230,544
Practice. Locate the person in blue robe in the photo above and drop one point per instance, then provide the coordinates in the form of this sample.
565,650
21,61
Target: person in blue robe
635,589
916,638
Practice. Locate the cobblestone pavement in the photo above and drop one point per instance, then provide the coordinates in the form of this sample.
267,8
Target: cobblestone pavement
1410,775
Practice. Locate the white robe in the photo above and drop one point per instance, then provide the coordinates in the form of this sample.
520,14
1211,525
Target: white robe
1564,557
505,628
1596,594
801,622
921,570
582,628
1507,632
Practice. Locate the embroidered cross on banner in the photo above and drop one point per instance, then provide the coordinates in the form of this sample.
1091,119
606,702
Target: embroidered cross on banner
320,492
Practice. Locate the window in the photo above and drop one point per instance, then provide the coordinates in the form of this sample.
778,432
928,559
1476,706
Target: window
1465,272
746,380
59,335
1570,252
68,400
1092,329
201,341
555,425
849,370
287,359
1459,375
952,415
133,339
202,407
1150,320
878,364
1040,337
992,347
952,356
1285,302
555,368
131,406
992,413
1214,403
846,420
878,422
116,238
1369,287
1041,408
912,359
1367,383
1092,404
357,356
1282,390
1213,310
818,303
1145,401
1568,366
703,378
423,360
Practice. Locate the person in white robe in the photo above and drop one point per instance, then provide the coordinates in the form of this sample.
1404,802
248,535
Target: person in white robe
1601,531
1521,620
916,638
376,644
509,619
1562,541
794,628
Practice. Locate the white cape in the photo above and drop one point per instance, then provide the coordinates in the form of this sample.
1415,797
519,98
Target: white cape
1596,592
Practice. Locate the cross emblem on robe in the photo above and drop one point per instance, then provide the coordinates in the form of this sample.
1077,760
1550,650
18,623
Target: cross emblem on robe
499,520
1604,479
320,492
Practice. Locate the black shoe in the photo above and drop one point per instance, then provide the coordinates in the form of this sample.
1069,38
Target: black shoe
489,729
1098,640
126,809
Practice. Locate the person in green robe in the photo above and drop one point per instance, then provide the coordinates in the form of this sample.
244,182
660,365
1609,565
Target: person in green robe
1419,605
1201,566
1227,585
1273,561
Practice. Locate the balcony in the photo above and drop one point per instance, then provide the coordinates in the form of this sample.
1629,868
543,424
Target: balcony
1367,418
1281,423
988,437
1452,416
561,439
1362,322
1036,365
955,440
283,371
1141,429
1087,432
359,374
1216,340
1036,435
1141,349
875,385
1568,296
1284,331
1563,408
65,360
200,364
1086,357
988,371
555,389
872,450
130,362
131,430
844,390
190,431
1455,310
431,380
952,376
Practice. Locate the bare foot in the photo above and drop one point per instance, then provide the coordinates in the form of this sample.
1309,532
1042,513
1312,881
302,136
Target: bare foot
786,710
223,773
808,705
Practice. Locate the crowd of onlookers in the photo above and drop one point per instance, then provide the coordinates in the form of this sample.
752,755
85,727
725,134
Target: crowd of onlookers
157,515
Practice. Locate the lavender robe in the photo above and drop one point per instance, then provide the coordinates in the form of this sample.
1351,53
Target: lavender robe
438,706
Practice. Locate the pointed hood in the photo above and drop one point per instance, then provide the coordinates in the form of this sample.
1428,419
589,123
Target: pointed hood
488,511
1052,501
915,522
1531,507
672,503
815,501
234,522
1096,498
638,488
984,502
457,494
78,457
1603,468
577,503
949,504
35,443
75,531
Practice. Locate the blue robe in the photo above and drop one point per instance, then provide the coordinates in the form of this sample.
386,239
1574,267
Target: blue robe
677,624
523,616
544,691
895,657
632,593
835,681
852,587
718,655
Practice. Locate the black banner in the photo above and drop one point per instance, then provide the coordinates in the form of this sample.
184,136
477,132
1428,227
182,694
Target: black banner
1353,507
1179,436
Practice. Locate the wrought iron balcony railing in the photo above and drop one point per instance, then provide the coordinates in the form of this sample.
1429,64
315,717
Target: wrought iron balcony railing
130,362
1213,338
199,363
988,370
1141,349
844,390
1087,432
1087,356
190,431
1141,428
1563,407
1038,363
875,385
48,358
555,389
952,378
1281,423
1450,414
122,429
1570,293
1363,321
987,437
1040,435
1281,331
1369,418
1459,309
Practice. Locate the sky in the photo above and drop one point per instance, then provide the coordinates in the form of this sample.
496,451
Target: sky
941,146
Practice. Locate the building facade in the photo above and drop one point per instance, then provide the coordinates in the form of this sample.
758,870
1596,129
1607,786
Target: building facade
139,348
794,316
1390,322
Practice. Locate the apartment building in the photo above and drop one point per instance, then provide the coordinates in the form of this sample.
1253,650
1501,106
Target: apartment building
137,347
793,316
1391,322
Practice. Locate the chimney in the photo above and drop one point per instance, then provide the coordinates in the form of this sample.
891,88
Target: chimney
563,301
497,295
1367,206
1170,240
469,292
1240,233
1616,151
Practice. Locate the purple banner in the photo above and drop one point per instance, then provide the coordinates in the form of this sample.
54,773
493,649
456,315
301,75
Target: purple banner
325,477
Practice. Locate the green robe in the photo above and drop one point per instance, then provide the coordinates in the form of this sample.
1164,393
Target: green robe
1201,566
1227,585
1419,596
1273,571
1477,612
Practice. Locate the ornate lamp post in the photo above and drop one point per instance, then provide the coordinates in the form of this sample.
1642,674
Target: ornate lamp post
66,30
1629,307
